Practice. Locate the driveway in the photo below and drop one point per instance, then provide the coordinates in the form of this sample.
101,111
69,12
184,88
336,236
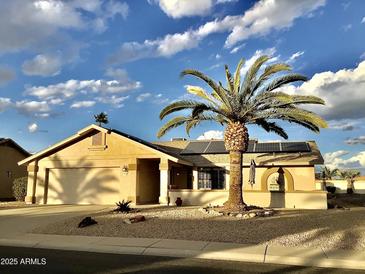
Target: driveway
24,220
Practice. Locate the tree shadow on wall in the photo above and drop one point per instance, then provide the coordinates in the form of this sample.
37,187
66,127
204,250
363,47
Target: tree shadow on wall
78,182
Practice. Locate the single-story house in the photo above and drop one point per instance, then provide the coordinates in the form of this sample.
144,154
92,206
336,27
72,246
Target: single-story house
101,166
10,154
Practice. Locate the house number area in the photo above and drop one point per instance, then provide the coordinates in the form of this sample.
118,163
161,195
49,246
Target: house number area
23,261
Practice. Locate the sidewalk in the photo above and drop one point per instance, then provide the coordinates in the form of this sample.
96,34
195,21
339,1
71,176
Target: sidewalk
193,249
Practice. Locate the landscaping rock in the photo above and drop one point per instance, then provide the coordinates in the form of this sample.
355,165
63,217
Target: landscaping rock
239,215
87,221
136,219
252,214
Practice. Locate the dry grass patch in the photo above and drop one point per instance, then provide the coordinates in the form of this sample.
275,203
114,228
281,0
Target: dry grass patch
329,229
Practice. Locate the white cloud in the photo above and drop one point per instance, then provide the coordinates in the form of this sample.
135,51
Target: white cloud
218,56
343,92
347,27
269,15
236,49
115,101
336,160
183,8
363,20
83,104
32,128
142,97
263,17
72,87
356,141
226,1
6,75
43,65
344,125
33,108
211,134
295,56
5,103
37,23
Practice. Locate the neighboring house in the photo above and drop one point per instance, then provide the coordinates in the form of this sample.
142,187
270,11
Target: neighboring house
102,166
10,154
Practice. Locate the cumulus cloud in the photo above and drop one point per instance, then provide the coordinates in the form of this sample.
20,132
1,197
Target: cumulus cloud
211,134
343,125
33,108
5,103
263,17
341,159
342,90
83,104
36,22
236,49
295,56
356,141
70,88
142,97
363,20
6,75
184,8
115,101
42,65
32,128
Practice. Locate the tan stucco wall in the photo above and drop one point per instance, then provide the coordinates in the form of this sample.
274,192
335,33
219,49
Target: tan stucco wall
297,199
9,158
117,154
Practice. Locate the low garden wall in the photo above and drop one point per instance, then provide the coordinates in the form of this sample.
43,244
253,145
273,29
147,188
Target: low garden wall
295,199
341,185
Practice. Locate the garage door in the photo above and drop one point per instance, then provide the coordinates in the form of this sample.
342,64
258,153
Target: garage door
83,186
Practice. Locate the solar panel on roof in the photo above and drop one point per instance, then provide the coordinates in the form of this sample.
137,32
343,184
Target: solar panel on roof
295,147
267,147
216,147
195,148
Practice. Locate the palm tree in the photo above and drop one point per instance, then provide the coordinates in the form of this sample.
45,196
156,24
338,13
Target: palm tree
349,176
257,100
328,173
101,118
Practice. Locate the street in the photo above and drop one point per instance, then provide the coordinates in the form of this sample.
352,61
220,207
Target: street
32,260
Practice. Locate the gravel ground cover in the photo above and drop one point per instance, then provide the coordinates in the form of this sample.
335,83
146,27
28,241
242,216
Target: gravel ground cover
328,229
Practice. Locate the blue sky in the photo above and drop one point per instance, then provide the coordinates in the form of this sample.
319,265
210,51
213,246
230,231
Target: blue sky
63,61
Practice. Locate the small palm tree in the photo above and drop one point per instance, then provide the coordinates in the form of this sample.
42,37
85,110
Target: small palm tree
328,173
101,118
349,176
257,100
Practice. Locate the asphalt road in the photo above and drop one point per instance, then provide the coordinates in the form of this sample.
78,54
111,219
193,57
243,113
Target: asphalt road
31,260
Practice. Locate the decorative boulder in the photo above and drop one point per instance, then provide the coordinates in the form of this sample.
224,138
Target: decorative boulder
87,221
135,219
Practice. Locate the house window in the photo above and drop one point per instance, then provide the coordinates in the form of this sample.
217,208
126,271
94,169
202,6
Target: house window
211,178
97,139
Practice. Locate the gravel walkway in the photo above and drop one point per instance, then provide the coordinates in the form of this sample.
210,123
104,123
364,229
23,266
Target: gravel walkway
331,229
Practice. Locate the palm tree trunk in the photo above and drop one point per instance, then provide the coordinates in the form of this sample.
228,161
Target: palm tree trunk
235,199
350,186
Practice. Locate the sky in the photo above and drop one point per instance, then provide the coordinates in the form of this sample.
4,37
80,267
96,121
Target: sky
61,62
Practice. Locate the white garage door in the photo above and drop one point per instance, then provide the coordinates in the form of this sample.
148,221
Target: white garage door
83,186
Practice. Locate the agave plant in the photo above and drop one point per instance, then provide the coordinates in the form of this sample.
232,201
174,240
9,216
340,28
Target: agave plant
123,206
255,100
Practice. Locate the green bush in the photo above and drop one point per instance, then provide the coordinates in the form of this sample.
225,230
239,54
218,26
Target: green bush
20,188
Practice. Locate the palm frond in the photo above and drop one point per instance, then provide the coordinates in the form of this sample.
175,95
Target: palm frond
272,127
283,80
230,84
237,76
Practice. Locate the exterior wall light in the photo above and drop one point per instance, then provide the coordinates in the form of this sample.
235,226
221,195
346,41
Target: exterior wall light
125,170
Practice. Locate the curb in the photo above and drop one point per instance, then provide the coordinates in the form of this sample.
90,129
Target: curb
201,250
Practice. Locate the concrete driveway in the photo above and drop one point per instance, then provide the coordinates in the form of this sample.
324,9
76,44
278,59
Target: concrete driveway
24,220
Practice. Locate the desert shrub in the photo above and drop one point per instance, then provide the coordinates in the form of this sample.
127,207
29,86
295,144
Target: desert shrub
331,189
20,188
123,206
